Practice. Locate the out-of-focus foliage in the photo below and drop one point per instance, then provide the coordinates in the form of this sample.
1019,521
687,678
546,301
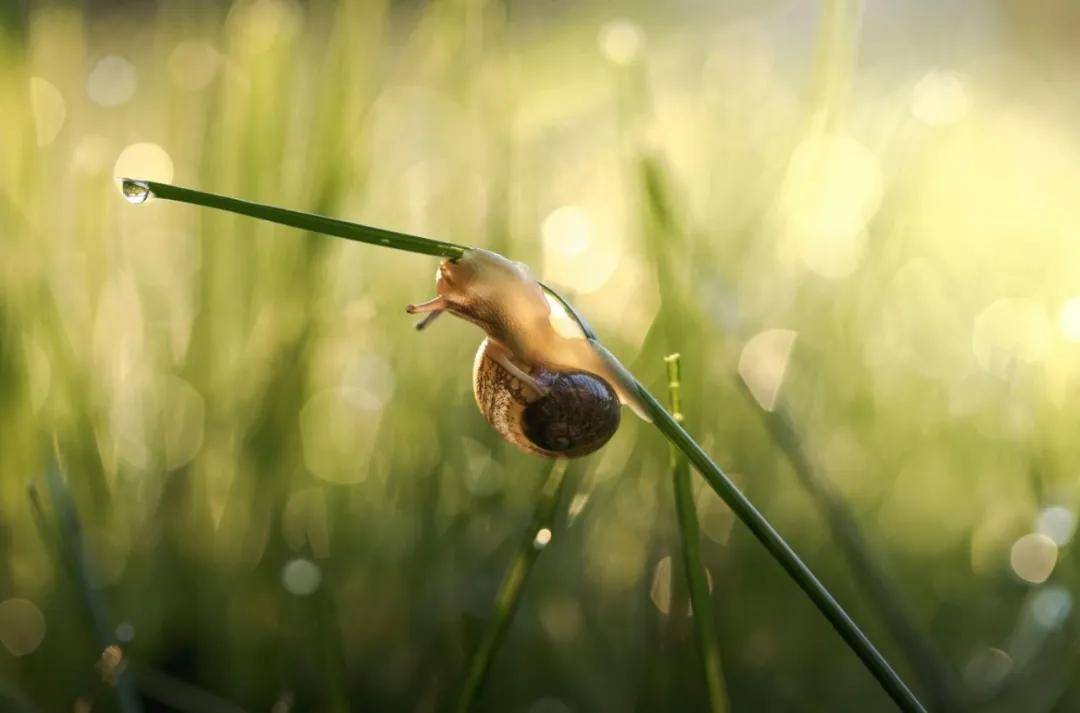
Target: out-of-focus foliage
289,501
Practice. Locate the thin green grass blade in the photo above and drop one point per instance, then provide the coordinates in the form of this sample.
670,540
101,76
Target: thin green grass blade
657,192
510,589
941,688
73,559
781,551
696,577
137,191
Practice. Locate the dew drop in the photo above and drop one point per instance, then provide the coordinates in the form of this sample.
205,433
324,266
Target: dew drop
543,537
135,192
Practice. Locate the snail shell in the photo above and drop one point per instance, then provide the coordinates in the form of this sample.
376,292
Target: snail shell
578,415
544,383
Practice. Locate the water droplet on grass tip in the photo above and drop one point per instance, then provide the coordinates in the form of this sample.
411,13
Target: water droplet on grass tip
543,537
135,192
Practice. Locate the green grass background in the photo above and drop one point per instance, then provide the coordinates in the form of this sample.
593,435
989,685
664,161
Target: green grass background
896,185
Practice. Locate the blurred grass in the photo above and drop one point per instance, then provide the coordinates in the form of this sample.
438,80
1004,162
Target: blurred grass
232,398
536,539
698,580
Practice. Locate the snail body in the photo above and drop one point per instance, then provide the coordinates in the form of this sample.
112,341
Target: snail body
539,379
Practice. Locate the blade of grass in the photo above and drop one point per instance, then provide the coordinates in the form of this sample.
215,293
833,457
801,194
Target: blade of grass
72,556
696,576
509,594
157,685
781,551
934,675
713,475
943,691
304,221
182,696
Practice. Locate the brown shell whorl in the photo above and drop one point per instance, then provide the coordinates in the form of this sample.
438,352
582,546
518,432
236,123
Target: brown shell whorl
577,416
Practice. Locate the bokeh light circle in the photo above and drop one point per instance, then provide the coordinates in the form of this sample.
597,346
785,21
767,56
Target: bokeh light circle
22,626
144,160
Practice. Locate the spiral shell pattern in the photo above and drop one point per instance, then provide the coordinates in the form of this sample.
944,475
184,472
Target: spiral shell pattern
578,415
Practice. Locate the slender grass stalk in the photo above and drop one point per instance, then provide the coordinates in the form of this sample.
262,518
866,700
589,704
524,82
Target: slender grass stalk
935,676
535,540
942,689
72,557
156,685
696,576
137,191
780,550
182,696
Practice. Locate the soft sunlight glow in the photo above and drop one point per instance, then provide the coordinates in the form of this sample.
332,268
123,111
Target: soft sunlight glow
1050,607
92,154
576,507
621,41
833,188
238,402
763,364
1033,557
112,82
1058,523
260,24
338,435
575,253
939,99
987,668
561,321
660,591
1069,320
125,632
22,626
155,415
567,231
561,617
49,110
368,382
183,419
716,517
543,537
193,64
144,160
1010,333
301,577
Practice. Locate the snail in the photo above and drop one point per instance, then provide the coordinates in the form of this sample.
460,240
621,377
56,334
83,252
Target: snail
541,379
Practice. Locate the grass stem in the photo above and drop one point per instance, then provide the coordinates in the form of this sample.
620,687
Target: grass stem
942,689
781,551
510,589
296,219
936,679
72,555
506,600
696,576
